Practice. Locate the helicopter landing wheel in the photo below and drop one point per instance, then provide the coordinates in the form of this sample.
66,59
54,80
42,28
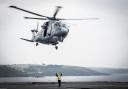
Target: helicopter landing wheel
56,47
37,44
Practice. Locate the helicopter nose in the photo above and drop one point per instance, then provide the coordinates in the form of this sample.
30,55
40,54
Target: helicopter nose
64,32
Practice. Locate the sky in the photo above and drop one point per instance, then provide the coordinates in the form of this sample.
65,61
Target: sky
90,43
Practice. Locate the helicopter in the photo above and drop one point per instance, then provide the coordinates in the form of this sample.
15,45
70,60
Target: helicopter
53,31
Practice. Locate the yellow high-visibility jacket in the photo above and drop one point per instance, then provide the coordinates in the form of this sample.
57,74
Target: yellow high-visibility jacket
58,76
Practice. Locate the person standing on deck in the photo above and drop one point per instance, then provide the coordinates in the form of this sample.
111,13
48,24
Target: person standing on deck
58,75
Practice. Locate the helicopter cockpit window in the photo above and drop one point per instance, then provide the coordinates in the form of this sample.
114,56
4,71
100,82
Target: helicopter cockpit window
57,24
64,25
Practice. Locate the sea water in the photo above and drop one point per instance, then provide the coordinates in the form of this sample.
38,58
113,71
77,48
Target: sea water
110,78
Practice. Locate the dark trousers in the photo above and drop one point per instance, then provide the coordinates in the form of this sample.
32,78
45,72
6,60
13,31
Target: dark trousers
59,82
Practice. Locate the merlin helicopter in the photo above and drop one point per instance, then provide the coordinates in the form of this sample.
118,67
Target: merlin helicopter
53,30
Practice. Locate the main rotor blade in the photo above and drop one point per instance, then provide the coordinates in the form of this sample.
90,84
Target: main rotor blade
35,18
15,7
79,19
56,11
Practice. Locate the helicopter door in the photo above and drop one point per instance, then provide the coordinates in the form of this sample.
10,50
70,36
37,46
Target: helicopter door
45,28
50,29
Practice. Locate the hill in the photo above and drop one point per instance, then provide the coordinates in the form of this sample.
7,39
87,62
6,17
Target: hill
31,70
111,71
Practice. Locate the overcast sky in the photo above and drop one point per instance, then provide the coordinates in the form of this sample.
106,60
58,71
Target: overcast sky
91,43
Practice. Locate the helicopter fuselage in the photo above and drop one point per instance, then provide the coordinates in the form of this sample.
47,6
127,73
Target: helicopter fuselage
52,32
